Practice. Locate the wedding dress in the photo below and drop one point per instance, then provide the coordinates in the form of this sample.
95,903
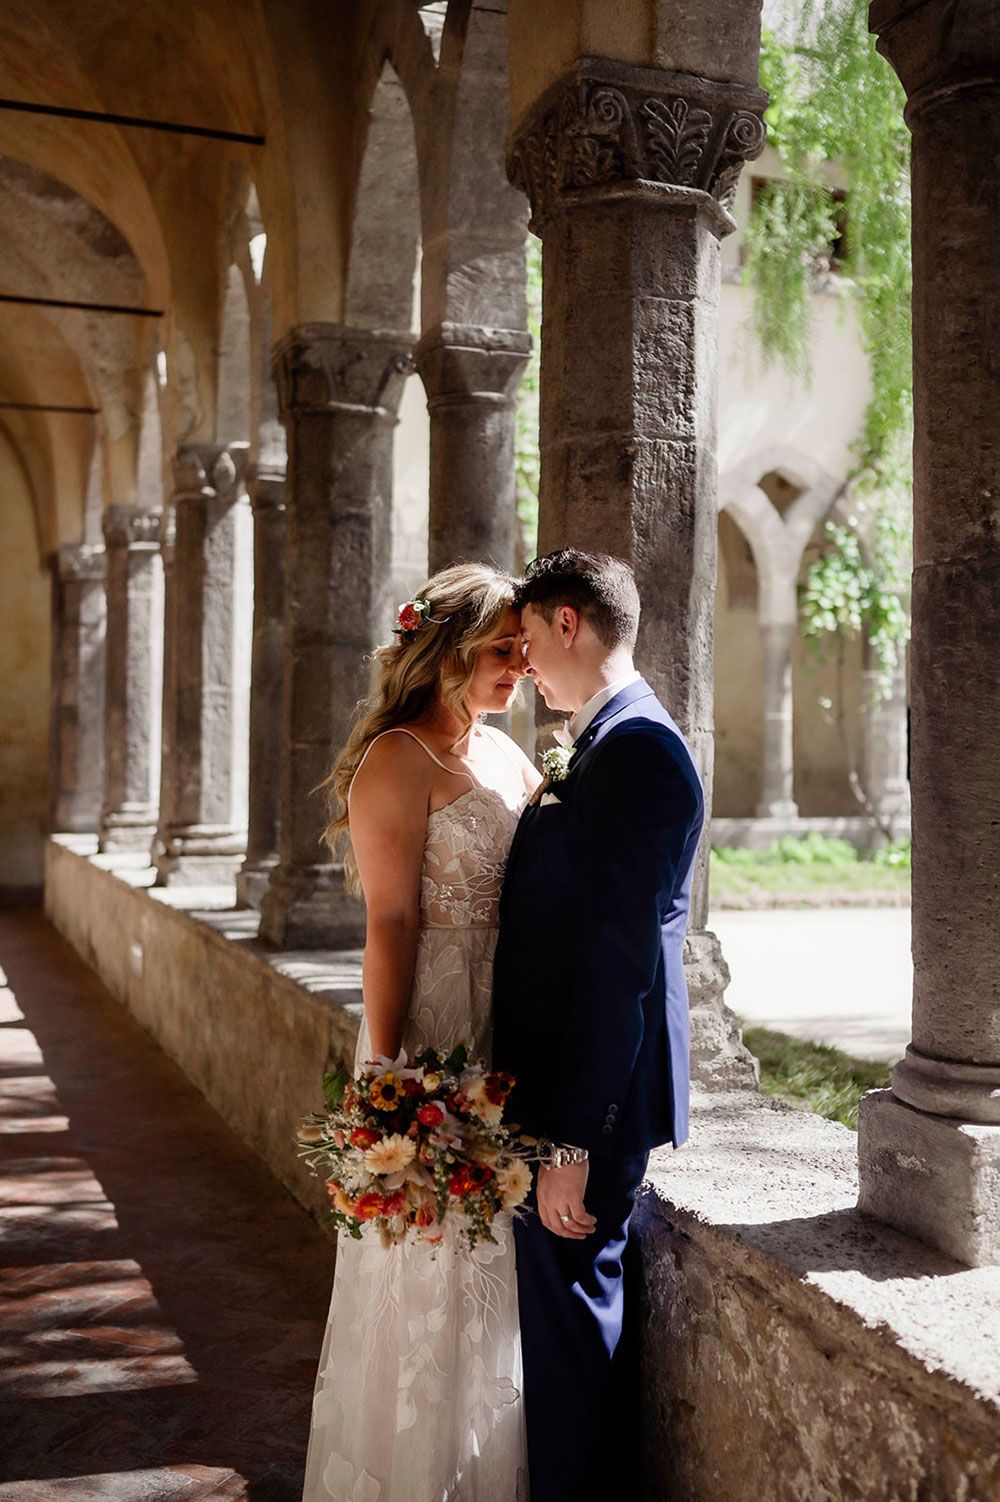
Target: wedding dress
419,1391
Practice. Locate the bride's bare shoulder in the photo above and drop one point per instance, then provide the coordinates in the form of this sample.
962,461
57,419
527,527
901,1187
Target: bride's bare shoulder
395,759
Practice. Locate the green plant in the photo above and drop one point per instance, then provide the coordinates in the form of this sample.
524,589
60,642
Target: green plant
814,1076
834,100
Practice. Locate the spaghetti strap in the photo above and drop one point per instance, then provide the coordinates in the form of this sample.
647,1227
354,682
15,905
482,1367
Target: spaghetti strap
402,730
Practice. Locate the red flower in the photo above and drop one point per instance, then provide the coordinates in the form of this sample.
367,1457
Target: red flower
369,1205
497,1087
430,1115
393,1204
363,1137
413,1087
469,1177
409,618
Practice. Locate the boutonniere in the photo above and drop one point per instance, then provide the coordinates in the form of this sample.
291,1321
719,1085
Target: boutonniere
555,762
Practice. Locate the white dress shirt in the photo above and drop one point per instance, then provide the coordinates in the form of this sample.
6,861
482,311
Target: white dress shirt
583,717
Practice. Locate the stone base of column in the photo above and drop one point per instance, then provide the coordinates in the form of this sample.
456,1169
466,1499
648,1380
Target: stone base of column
127,828
934,1177
780,809
719,1061
252,881
199,855
308,907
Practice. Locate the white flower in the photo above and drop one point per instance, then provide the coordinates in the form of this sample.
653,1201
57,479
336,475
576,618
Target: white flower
514,1181
485,1109
390,1155
555,762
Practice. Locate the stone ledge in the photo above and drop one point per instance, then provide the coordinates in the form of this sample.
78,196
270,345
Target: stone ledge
861,1362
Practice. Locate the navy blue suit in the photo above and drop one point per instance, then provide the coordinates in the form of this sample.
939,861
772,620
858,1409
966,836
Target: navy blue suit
591,1015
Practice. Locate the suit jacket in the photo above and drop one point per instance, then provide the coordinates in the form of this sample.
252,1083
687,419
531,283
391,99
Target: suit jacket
590,999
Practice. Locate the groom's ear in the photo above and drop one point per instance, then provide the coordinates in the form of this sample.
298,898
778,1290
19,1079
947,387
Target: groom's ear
567,624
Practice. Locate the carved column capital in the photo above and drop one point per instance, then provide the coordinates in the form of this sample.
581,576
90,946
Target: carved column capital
609,126
76,562
208,471
125,527
460,363
329,367
266,486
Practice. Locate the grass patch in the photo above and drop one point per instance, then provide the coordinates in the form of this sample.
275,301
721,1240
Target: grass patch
814,1076
810,864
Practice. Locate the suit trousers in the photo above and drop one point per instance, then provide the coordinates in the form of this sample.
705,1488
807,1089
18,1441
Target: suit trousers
581,1421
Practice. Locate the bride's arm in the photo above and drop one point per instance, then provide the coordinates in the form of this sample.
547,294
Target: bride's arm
388,816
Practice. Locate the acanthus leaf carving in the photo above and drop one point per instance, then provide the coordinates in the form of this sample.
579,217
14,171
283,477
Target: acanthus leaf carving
677,136
639,125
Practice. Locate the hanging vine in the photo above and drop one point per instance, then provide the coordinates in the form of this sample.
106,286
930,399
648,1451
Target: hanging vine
833,99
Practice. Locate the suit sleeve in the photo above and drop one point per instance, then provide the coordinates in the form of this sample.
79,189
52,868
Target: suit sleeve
640,804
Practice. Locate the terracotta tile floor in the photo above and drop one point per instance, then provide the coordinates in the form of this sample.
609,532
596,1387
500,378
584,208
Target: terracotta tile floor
162,1299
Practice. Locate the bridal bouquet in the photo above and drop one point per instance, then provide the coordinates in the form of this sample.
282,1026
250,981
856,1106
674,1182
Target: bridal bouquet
412,1146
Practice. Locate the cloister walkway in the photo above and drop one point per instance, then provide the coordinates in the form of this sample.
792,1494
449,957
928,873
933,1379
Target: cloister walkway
163,1297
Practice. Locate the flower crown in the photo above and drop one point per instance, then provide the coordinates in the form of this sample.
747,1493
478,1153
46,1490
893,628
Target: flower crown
413,614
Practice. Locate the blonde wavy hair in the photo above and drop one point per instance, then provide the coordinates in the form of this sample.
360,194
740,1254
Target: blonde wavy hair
417,672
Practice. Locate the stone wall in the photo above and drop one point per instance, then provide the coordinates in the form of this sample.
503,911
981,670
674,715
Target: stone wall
254,1030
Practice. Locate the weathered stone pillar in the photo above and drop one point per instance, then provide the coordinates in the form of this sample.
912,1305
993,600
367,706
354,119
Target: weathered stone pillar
133,666
202,837
883,748
339,389
930,1147
471,377
168,702
266,488
79,615
630,172
777,799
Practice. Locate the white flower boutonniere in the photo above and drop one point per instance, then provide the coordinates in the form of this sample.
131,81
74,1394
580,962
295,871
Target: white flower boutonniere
555,762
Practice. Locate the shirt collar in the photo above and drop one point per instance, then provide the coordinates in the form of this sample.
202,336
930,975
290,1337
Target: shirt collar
596,702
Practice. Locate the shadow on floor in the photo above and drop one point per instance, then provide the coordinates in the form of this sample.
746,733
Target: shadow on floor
163,1297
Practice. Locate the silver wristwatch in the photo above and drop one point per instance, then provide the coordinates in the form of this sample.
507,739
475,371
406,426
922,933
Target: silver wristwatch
560,1154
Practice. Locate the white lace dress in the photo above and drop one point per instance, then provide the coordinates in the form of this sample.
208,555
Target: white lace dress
418,1397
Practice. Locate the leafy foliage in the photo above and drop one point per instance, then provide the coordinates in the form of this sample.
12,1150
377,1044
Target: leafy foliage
834,100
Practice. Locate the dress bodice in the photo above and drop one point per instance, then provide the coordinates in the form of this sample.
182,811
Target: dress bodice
464,858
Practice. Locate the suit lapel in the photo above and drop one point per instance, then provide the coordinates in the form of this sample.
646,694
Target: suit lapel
626,697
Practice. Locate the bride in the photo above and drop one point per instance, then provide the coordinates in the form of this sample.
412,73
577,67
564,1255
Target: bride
419,1393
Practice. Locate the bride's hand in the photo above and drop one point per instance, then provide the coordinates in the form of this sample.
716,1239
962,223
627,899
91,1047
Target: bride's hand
560,1201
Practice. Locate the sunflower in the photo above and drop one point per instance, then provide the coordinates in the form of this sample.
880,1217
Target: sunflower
385,1093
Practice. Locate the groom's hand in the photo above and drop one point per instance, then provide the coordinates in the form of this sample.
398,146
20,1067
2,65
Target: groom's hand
560,1201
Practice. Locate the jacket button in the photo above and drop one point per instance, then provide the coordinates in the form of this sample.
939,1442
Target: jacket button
606,1129
612,1109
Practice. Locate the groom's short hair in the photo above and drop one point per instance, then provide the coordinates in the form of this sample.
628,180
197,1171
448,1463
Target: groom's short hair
600,587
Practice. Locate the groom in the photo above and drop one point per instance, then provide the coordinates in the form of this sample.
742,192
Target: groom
590,1002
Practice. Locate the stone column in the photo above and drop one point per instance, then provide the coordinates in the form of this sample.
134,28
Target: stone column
202,836
339,389
168,702
930,1147
471,377
79,615
777,798
133,667
883,748
630,173
266,488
